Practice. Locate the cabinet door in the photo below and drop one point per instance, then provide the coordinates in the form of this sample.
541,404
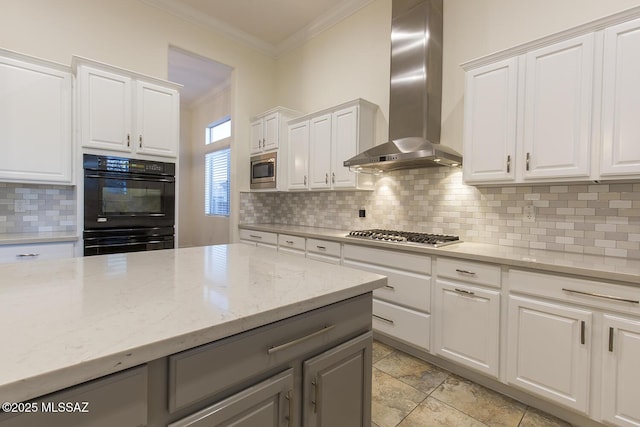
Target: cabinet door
490,104
157,120
548,350
298,156
105,110
267,404
256,136
621,100
271,134
320,151
337,386
35,123
344,145
467,322
557,110
621,371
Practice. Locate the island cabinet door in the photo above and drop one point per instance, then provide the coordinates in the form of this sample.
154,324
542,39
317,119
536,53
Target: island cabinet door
267,404
117,400
337,386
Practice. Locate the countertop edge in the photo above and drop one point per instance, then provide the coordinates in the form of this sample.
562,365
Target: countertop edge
18,239
462,252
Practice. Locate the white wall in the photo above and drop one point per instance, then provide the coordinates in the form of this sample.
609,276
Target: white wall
197,229
133,35
351,59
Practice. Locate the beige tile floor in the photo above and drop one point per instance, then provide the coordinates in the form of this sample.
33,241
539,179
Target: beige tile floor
408,392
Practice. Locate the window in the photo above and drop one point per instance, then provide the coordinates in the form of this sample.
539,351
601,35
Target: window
217,131
216,182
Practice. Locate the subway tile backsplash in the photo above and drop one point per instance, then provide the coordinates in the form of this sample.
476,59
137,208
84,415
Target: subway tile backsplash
600,219
46,208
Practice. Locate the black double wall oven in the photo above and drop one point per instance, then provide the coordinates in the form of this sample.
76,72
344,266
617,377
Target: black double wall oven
129,205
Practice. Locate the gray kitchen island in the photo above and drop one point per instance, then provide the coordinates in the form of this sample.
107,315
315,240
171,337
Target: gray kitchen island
187,337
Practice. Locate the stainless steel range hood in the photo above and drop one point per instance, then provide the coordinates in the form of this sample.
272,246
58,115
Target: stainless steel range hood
415,100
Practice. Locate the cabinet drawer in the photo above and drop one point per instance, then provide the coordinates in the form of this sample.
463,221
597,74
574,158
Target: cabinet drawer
259,236
403,287
14,253
291,242
469,271
323,247
203,372
602,295
117,400
395,259
401,323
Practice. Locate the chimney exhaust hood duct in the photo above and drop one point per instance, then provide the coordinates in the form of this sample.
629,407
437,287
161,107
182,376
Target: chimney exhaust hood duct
415,97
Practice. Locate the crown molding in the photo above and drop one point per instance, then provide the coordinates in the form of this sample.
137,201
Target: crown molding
321,23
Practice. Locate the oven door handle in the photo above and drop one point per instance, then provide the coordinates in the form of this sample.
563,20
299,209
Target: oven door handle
125,244
130,178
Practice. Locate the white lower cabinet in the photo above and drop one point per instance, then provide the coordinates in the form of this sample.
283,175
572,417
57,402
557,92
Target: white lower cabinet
324,250
549,349
259,238
294,245
401,323
467,320
621,371
36,251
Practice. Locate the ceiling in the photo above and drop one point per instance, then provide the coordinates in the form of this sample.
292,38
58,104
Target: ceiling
271,27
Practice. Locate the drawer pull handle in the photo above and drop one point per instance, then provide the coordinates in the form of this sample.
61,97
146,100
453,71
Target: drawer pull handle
322,248
611,340
582,332
471,273
462,291
391,288
592,294
509,163
289,417
254,236
289,242
31,255
391,322
277,348
316,400
528,160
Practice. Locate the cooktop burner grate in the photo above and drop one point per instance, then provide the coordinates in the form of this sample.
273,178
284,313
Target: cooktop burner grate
395,236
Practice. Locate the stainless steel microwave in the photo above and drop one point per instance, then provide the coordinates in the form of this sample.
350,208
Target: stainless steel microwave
264,168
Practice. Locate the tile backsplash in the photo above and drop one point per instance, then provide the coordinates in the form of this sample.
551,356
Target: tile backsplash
46,208
600,219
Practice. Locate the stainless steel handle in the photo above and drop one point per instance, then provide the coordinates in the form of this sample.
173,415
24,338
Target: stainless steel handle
289,417
128,140
322,248
509,163
264,143
131,178
289,242
305,180
592,294
528,160
462,291
150,242
582,332
255,237
333,177
384,319
140,140
326,178
30,255
471,273
611,340
276,348
316,400
391,288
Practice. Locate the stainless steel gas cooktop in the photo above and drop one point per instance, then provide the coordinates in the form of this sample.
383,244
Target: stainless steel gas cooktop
394,236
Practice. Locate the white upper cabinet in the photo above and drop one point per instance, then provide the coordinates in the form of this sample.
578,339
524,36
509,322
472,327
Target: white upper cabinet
127,113
563,108
330,137
35,120
268,130
490,122
557,110
621,102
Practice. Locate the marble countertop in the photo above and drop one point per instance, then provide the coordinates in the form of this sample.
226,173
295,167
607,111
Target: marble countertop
67,321
42,237
591,266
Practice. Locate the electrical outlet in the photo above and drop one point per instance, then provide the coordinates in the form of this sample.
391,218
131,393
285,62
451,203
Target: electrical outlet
529,212
20,206
361,213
